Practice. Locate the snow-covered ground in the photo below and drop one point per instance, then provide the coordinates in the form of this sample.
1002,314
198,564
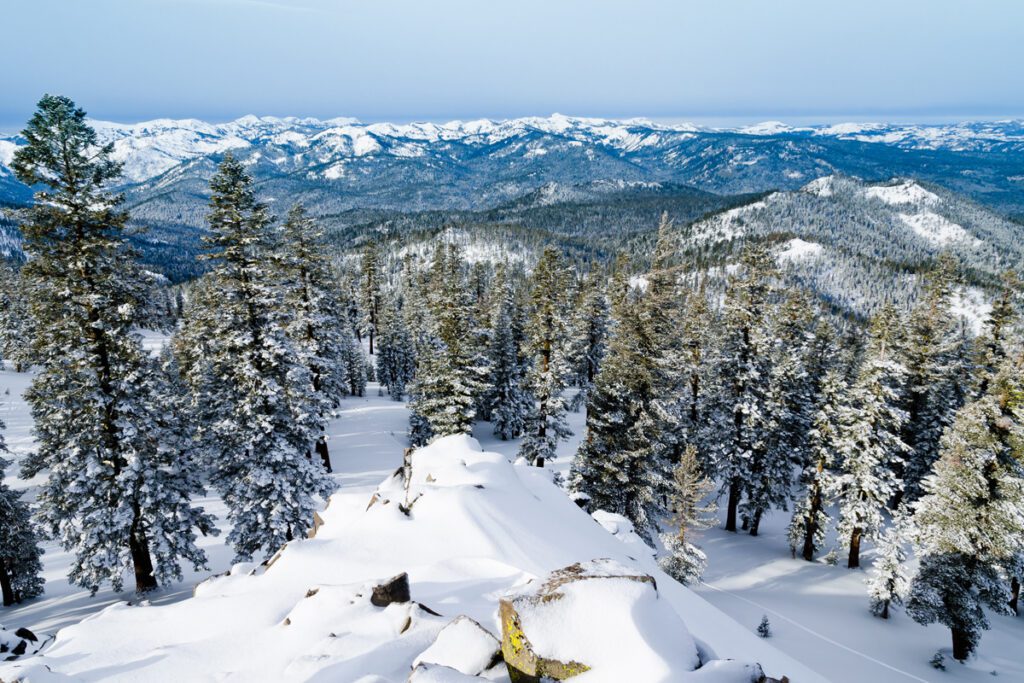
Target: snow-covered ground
819,613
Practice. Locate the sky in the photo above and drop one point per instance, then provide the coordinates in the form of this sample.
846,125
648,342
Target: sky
707,61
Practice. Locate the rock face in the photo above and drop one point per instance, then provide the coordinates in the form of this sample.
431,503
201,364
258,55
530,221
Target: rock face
463,645
578,618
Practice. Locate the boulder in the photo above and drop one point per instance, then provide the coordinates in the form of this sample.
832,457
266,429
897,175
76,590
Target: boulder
395,589
598,615
463,645
17,643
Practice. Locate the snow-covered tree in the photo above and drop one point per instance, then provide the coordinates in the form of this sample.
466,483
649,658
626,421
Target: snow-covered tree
994,345
20,568
588,335
118,487
396,353
258,414
509,402
929,353
889,581
546,343
448,377
316,322
685,562
370,277
810,520
740,415
870,442
970,523
612,466
15,320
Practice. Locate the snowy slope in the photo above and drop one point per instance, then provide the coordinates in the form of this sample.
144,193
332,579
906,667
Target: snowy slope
479,527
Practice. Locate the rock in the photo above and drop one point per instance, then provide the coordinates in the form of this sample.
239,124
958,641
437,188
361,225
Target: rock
599,616
463,645
395,589
14,644
26,634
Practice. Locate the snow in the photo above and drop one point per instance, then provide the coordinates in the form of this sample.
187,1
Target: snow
937,229
462,645
461,564
797,249
908,192
972,305
822,187
479,527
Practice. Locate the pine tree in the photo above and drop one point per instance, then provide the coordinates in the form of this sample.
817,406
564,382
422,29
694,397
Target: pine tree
316,325
448,380
930,351
258,414
970,524
396,353
685,562
370,291
810,517
20,567
16,328
509,401
888,583
118,491
547,339
588,337
993,346
740,414
871,437
611,468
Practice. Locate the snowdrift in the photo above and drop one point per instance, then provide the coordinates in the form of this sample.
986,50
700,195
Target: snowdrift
469,529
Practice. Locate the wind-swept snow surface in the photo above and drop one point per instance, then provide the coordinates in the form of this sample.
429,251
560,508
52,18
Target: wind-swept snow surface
468,527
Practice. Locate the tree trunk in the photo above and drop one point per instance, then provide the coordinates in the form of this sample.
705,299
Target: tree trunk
145,579
811,528
854,561
539,462
755,523
885,610
734,503
961,645
371,342
1015,594
5,584
325,455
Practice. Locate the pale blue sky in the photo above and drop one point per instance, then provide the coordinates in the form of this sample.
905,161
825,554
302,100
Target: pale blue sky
711,60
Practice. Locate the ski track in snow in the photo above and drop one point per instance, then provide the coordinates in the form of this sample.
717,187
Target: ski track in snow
800,626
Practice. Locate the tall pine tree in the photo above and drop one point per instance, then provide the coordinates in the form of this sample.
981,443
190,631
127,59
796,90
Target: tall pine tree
117,493
258,413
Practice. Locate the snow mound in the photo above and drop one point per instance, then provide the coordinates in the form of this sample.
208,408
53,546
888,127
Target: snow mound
463,645
908,192
937,229
797,249
466,525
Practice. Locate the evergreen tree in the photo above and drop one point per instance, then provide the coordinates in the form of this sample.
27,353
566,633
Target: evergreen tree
871,440
20,567
810,516
993,346
509,402
969,524
396,353
930,351
16,328
685,562
611,468
118,492
370,291
316,325
448,379
258,413
740,411
888,583
547,337
588,336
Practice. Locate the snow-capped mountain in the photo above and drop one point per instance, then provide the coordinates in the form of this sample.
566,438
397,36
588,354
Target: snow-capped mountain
481,163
